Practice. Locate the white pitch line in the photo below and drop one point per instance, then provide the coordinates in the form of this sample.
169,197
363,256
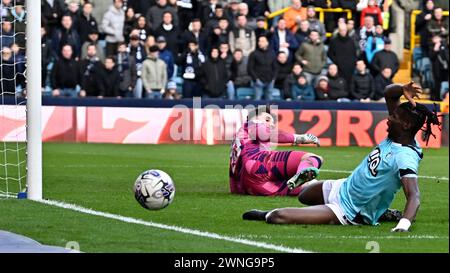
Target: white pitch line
349,172
356,237
173,228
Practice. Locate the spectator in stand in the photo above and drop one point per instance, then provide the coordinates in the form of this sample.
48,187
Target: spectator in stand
18,18
67,34
372,10
385,58
239,74
438,25
362,85
86,22
224,26
294,15
338,89
316,3
195,32
186,13
66,75
166,56
126,65
207,10
73,9
169,31
321,89
7,34
261,27
91,69
242,37
137,50
51,12
93,39
283,68
218,14
314,22
156,13
20,61
154,75
380,82
311,55
332,18
129,23
284,40
143,28
141,7
113,26
364,33
251,21
232,10
422,20
342,52
7,73
440,61
5,9
302,33
190,63
374,43
171,92
214,76
226,56
151,41
109,84
47,57
262,69
302,90
257,7
291,79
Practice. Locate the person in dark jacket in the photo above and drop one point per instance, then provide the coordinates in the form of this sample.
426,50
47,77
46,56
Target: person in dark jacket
422,20
362,86
262,69
195,32
155,14
91,68
302,90
66,74
86,22
337,85
321,89
126,65
290,80
7,73
261,27
170,32
239,74
380,82
385,58
284,40
109,84
440,62
47,57
67,34
283,68
52,12
166,56
342,52
190,63
214,76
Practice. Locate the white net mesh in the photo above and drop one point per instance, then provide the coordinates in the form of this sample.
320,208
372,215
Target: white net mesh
12,91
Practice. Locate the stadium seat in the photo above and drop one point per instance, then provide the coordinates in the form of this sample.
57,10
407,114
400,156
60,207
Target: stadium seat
276,94
245,93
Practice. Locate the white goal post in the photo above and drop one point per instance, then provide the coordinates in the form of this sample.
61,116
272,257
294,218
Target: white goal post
34,100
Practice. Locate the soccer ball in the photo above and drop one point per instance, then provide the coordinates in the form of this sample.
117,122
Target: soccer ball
154,189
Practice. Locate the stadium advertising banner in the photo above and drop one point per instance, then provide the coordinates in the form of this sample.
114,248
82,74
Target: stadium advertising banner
197,126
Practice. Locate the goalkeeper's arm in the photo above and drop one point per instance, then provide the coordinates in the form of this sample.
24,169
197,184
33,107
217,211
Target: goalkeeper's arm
412,193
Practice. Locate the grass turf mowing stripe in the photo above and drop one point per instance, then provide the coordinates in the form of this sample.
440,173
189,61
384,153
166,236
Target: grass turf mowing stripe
196,232
349,172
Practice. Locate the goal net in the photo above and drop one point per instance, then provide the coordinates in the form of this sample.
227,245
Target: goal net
17,87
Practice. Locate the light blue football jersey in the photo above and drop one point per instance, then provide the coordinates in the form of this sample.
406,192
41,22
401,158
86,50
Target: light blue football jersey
370,189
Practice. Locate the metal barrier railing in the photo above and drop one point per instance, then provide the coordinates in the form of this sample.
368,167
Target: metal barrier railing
414,38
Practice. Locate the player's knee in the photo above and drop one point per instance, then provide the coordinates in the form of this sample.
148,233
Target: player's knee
277,216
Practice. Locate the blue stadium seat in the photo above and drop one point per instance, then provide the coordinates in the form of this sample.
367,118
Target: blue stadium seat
245,93
276,94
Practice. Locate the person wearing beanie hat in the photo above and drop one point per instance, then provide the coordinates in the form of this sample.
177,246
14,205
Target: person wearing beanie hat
171,91
154,74
322,88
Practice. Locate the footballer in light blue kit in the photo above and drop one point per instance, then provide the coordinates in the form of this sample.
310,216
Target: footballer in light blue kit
365,196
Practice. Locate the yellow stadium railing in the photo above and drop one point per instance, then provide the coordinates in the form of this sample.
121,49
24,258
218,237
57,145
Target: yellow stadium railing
414,37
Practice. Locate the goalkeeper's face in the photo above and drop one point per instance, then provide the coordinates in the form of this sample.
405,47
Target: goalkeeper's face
267,119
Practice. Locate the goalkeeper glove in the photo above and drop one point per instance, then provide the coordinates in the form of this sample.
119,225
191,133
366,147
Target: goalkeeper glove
402,226
307,139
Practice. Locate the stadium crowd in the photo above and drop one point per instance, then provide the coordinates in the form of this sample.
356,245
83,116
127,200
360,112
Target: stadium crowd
217,49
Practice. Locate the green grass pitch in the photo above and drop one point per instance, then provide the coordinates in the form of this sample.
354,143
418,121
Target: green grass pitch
101,177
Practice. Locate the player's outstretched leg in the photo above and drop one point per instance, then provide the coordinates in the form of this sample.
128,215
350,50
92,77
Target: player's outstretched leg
315,215
255,215
307,168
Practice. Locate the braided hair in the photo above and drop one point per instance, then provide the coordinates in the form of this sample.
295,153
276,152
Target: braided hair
421,119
